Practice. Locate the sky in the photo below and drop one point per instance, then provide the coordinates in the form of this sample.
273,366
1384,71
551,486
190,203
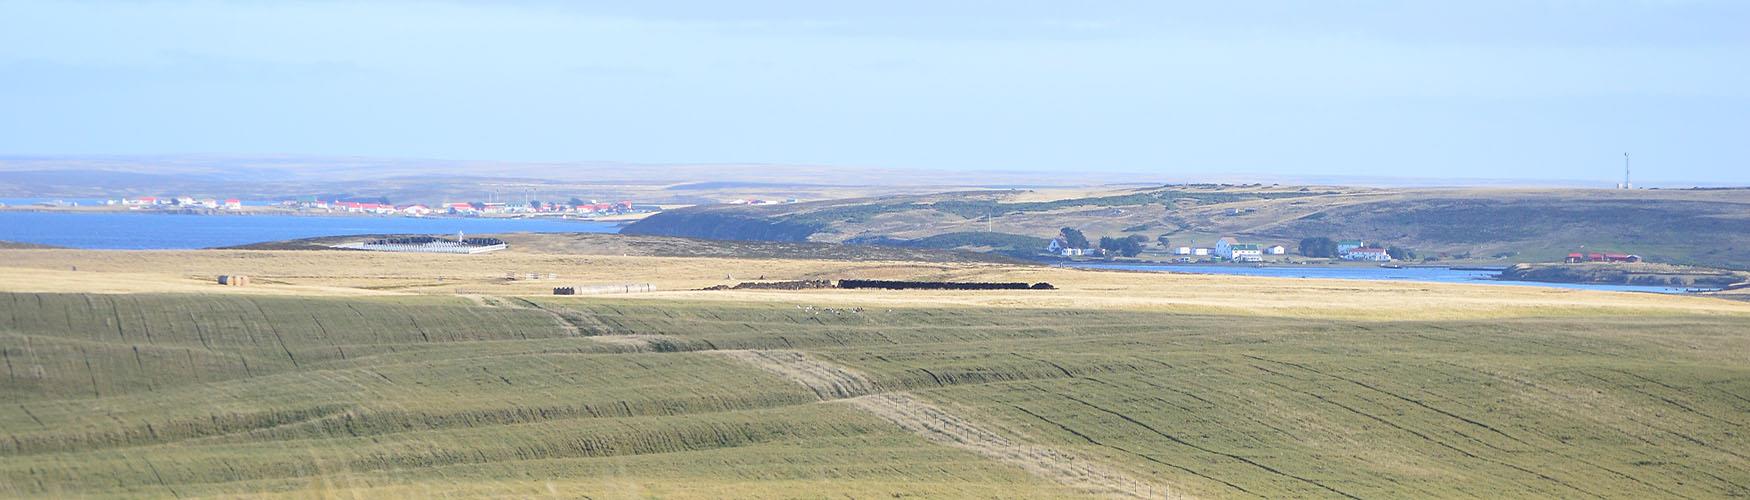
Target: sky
1522,89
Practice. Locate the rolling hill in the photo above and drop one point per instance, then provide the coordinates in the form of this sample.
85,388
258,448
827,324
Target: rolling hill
1708,227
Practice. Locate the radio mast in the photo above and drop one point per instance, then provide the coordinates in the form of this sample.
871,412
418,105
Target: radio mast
1625,182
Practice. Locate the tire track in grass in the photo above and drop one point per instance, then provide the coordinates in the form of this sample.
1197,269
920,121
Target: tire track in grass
1430,439
828,381
1229,456
941,426
831,382
1499,432
1144,456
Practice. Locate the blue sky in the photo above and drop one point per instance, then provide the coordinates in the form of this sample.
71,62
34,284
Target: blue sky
1482,89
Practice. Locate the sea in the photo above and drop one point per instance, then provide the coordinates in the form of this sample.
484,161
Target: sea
1422,274
158,231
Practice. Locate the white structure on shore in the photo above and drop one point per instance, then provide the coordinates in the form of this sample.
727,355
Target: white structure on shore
1231,249
1367,254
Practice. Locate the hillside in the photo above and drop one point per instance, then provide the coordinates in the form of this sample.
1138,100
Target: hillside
1640,273
1707,227
358,374
663,246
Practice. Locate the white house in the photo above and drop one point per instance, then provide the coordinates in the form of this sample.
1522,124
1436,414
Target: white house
1182,251
416,210
1060,247
1276,250
1221,245
1367,254
1200,251
1231,249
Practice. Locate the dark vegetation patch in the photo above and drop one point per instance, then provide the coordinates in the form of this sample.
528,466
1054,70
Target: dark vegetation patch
1014,245
1481,221
722,225
19,245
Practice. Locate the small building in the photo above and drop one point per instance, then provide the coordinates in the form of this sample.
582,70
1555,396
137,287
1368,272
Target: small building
1577,257
416,210
1276,250
1245,252
1367,254
1182,251
1200,251
1060,247
1230,248
233,204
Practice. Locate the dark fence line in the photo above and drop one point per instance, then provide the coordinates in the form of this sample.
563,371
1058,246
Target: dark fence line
774,285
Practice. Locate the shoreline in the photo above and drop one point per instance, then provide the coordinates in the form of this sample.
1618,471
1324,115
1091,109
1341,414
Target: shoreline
1496,278
622,219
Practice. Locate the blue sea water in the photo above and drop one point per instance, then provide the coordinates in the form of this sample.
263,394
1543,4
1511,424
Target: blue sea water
96,202
138,231
1426,274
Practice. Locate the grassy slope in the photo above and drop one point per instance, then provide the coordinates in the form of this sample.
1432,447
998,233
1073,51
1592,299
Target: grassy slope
194,395
660,246
1702,227
149,395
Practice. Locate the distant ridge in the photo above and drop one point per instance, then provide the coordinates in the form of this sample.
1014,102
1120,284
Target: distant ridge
19,245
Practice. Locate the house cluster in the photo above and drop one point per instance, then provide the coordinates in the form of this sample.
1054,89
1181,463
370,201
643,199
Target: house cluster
465,208
590,208
1358,250
1230,249
177,202
1578,257
756,201
1062,248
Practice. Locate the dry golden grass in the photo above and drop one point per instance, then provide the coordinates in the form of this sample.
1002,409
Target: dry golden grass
346,273
1272,387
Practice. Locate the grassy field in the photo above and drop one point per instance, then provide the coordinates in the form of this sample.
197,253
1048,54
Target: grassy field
355,374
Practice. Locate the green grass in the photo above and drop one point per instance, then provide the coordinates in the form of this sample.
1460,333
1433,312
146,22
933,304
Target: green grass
138,395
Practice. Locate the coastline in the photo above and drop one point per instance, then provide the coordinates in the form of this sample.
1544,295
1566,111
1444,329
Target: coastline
257,211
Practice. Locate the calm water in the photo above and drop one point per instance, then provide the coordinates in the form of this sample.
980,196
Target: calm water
132,231
1429,274
97,202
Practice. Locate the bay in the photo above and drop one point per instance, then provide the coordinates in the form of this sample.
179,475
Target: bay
146,231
